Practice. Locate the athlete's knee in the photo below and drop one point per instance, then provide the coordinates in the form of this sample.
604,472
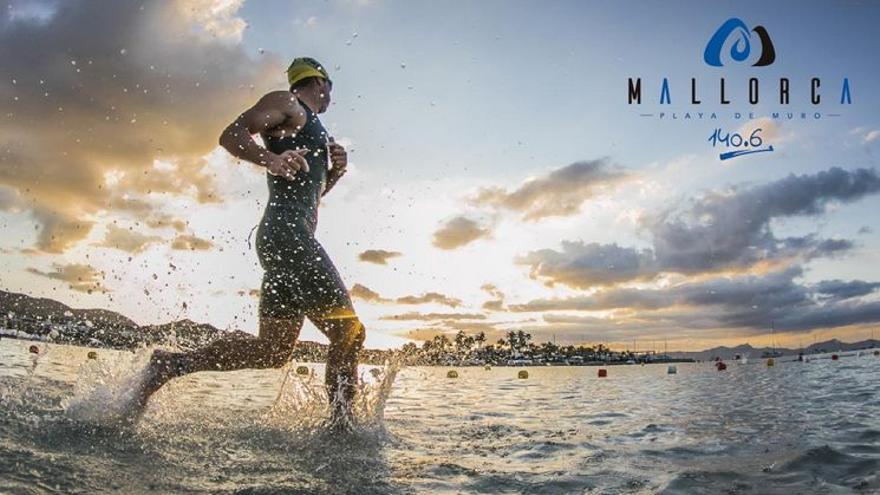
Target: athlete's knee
352,335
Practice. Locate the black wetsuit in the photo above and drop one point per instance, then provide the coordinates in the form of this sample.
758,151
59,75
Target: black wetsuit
300,279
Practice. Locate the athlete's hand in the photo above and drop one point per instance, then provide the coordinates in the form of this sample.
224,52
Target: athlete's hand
338,157
288,163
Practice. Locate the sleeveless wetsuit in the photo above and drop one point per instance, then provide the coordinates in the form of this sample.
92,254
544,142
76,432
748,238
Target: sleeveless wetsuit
300,279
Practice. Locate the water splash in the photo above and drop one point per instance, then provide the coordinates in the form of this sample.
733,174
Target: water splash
105,389
302,403
105,393
17,393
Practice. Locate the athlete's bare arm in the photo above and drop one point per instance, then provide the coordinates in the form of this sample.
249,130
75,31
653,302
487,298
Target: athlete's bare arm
276,113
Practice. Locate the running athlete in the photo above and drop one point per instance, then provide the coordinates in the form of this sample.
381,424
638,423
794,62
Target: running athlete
302,164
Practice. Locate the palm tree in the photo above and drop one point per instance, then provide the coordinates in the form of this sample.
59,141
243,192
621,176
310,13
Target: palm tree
460,341
513,340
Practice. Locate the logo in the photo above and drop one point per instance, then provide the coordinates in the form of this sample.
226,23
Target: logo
742,48
732,95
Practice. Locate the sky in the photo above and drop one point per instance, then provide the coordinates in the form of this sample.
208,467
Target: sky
499,179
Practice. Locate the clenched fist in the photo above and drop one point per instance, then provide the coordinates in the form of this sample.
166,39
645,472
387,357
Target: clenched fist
338,157
288,163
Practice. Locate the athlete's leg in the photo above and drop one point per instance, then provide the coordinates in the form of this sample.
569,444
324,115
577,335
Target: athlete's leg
346,334
280,325
328,305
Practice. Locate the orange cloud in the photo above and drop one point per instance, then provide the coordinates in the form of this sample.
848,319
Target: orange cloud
79,277
128,240
118,97
459,231
186,242
378,256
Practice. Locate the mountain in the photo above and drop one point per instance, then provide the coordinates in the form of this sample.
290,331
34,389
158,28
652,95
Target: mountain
836,345
746,350
45,309
94,327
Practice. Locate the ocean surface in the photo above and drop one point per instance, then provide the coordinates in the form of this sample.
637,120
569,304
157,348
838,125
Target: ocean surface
794,428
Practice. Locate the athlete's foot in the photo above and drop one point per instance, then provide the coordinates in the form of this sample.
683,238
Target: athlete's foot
163,366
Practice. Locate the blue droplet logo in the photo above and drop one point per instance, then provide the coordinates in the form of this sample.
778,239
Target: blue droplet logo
742,47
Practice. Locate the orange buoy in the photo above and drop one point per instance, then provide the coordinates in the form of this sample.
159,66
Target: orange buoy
93,355
34,349
834,357
720,366
603,373
523,374
452,374
877,353
771,362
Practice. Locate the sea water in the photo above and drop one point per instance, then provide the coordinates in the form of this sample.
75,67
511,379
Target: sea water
794,428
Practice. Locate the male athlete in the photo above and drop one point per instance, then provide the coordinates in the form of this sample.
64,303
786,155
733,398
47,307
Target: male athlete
299,279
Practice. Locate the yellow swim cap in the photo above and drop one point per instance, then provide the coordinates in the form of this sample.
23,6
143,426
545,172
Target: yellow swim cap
304,67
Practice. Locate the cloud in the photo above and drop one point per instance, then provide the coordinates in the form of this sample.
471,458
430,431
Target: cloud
583,266
158,220
434,316
186,242
495,304
378,256
10,200
128,240
60,229
430,297
104,86
364,293
79,277
840,289
559,193
746,301
720,230
459,231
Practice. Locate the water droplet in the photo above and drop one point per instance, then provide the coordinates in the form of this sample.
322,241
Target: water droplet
123,51
403,65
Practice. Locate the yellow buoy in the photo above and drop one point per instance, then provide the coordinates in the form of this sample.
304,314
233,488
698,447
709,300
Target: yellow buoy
671,370
771,362
523,374
302,370
487,367
93,355
452,374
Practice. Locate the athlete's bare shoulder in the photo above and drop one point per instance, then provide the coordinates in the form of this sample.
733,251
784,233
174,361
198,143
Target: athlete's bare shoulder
281,100
276,113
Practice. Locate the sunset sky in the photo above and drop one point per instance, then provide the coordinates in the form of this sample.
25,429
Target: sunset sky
498,177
